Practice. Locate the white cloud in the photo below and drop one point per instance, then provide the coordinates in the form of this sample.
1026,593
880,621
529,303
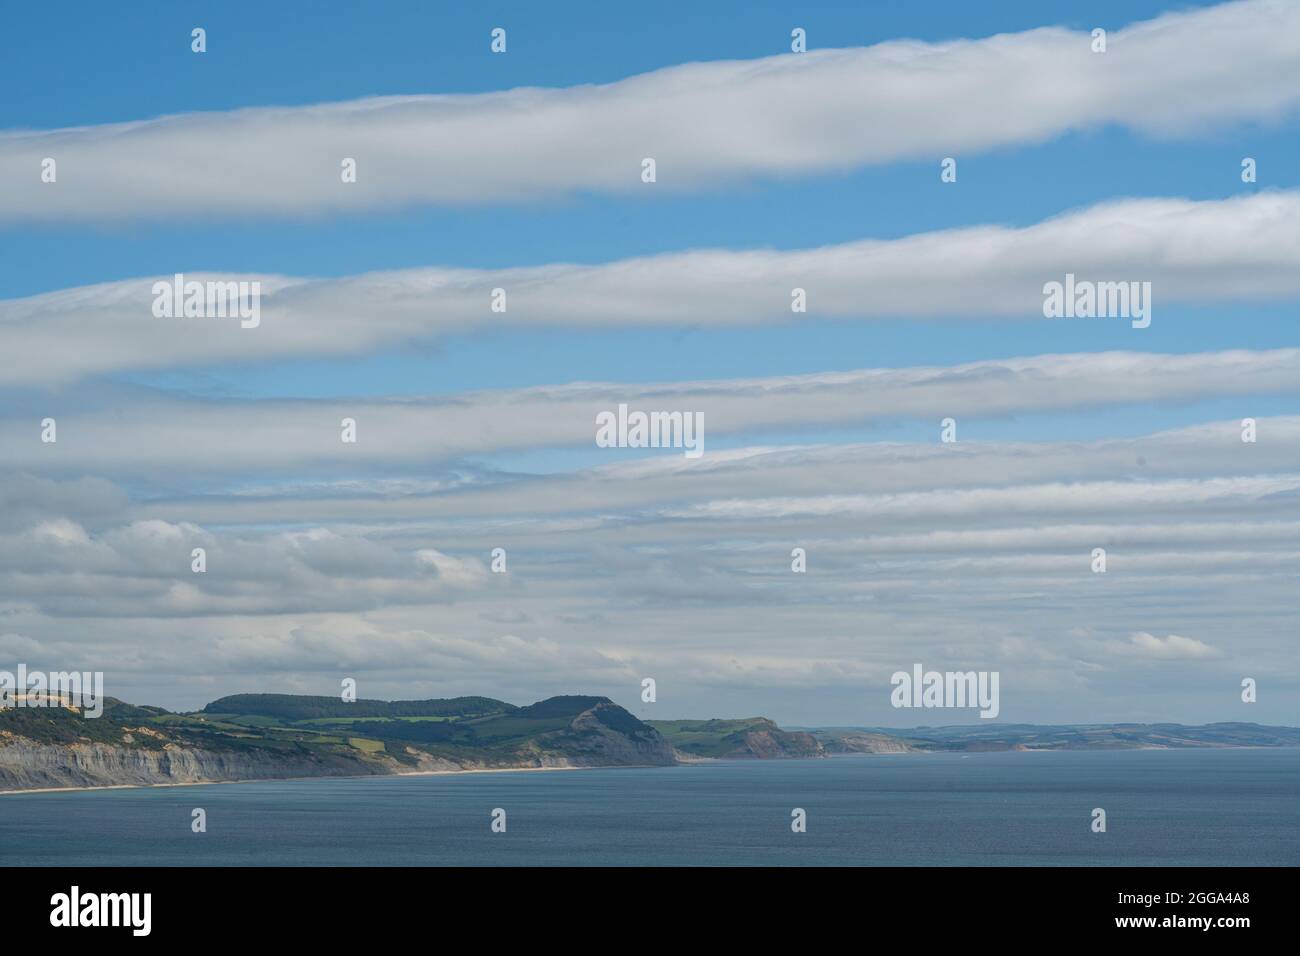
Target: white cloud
272,436
607,497
1164,648
1046,499
1236,250
705,123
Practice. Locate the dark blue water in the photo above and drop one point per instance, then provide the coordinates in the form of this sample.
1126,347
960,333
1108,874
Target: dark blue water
1212,807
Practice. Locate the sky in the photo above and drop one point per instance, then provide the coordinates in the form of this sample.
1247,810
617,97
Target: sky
522,170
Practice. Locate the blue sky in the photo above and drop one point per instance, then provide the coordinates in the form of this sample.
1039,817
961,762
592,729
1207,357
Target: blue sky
134,63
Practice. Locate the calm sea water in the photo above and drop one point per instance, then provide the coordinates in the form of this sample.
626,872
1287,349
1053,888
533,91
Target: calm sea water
1213,807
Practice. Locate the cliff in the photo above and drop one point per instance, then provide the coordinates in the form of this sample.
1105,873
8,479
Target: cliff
28,765
279,737
863,742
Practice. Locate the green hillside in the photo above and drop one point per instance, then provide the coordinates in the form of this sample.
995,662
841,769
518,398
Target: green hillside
293,707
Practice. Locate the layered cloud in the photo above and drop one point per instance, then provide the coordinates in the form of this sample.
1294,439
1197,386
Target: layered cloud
985,560
703,123
287,436
876,517
327,560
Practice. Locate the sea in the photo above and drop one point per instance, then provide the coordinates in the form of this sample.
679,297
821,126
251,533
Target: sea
1235,807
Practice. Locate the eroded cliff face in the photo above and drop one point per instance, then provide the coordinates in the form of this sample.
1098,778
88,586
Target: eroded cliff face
26,764
770,742
867,743
607,735
762,739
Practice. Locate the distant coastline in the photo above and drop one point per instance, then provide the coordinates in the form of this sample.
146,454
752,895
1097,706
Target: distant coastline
251,737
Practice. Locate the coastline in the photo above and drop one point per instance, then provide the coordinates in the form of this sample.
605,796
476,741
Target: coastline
349,776
683,760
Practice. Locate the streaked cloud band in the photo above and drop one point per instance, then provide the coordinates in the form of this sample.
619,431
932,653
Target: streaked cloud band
1245,250
704,123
